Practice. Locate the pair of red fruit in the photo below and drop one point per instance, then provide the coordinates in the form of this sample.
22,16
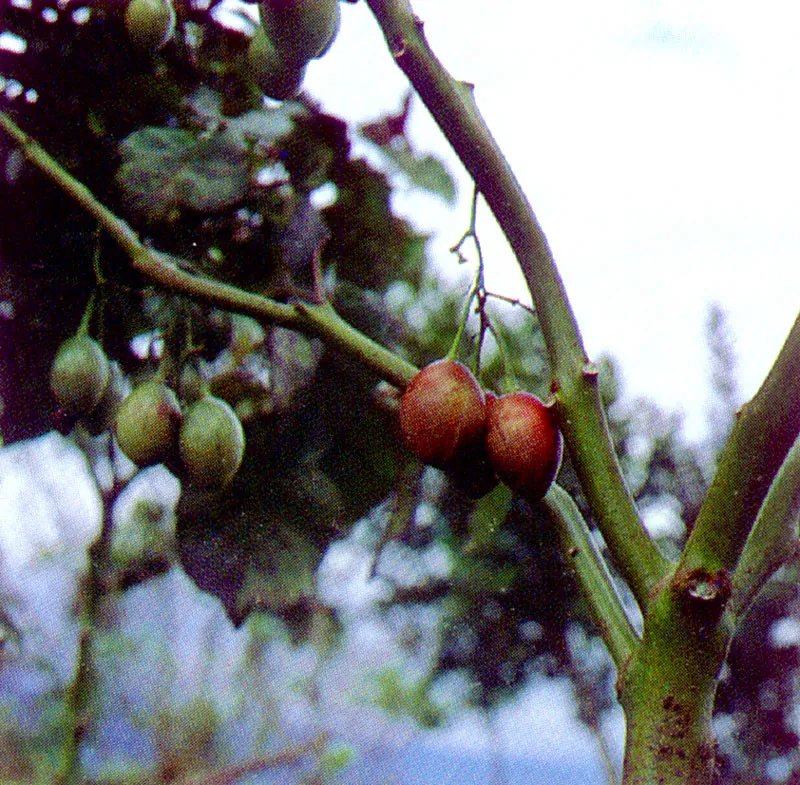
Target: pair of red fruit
448,422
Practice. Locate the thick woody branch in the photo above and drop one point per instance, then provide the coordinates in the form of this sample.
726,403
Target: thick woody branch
582,418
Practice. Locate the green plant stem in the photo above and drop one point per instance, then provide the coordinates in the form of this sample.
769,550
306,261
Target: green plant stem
94,590
173,275
667,692
235,772
774,536
581,414
583,557
762,435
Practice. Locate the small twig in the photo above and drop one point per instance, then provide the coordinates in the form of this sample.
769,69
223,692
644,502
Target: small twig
230,774
93,592
512,301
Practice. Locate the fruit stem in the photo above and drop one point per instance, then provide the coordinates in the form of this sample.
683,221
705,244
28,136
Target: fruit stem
88,313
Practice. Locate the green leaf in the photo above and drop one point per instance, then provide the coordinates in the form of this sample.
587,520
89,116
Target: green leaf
165,170
424,171
312,469
265,125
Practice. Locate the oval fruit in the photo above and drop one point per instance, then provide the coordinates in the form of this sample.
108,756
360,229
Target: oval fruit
102,417
442,413
274,77
211,443
150,23
301,29
147,423
79,375
523,443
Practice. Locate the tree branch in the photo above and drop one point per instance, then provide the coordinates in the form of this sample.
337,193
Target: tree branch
233,773
774,536
582,555
581,413
762,435
172,274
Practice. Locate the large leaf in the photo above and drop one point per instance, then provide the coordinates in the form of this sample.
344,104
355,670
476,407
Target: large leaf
165,170
310,471
370,246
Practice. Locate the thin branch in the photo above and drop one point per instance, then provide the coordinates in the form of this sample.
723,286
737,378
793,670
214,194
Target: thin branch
171,274
94,590
581,413
594,580
231,774
774,537
512,301
764,432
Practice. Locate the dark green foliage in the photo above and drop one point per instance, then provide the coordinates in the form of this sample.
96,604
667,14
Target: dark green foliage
166,170
321,463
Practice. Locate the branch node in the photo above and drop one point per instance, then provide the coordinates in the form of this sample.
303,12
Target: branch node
703,591
397,46
590,372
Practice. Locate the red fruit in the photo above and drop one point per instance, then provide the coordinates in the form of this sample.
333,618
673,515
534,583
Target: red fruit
442,413
523,443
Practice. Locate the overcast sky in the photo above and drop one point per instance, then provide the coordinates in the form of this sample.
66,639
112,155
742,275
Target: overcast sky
658,145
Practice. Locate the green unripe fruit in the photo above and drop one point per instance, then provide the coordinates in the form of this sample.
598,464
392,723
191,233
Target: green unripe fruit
79,375
102,417
300,29
211,443
274,77
147,423
150,23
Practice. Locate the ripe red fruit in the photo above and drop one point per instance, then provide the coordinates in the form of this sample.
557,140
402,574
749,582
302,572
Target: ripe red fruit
523,443
442,413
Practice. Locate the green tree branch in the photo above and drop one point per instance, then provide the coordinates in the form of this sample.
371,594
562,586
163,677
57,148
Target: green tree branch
774,536
174,275
582,555
582,418
762,435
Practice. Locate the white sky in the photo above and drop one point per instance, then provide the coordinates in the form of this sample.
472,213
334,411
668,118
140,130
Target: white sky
658,144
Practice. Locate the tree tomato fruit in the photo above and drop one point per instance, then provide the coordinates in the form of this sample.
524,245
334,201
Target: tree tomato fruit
442,413
211,442
523,443
79,375
150,23
147,423
274,77
301,29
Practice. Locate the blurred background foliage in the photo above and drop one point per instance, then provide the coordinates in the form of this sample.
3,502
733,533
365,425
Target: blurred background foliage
470,599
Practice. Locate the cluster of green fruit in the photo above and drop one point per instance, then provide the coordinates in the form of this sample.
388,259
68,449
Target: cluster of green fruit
291,34
203,441
477,437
